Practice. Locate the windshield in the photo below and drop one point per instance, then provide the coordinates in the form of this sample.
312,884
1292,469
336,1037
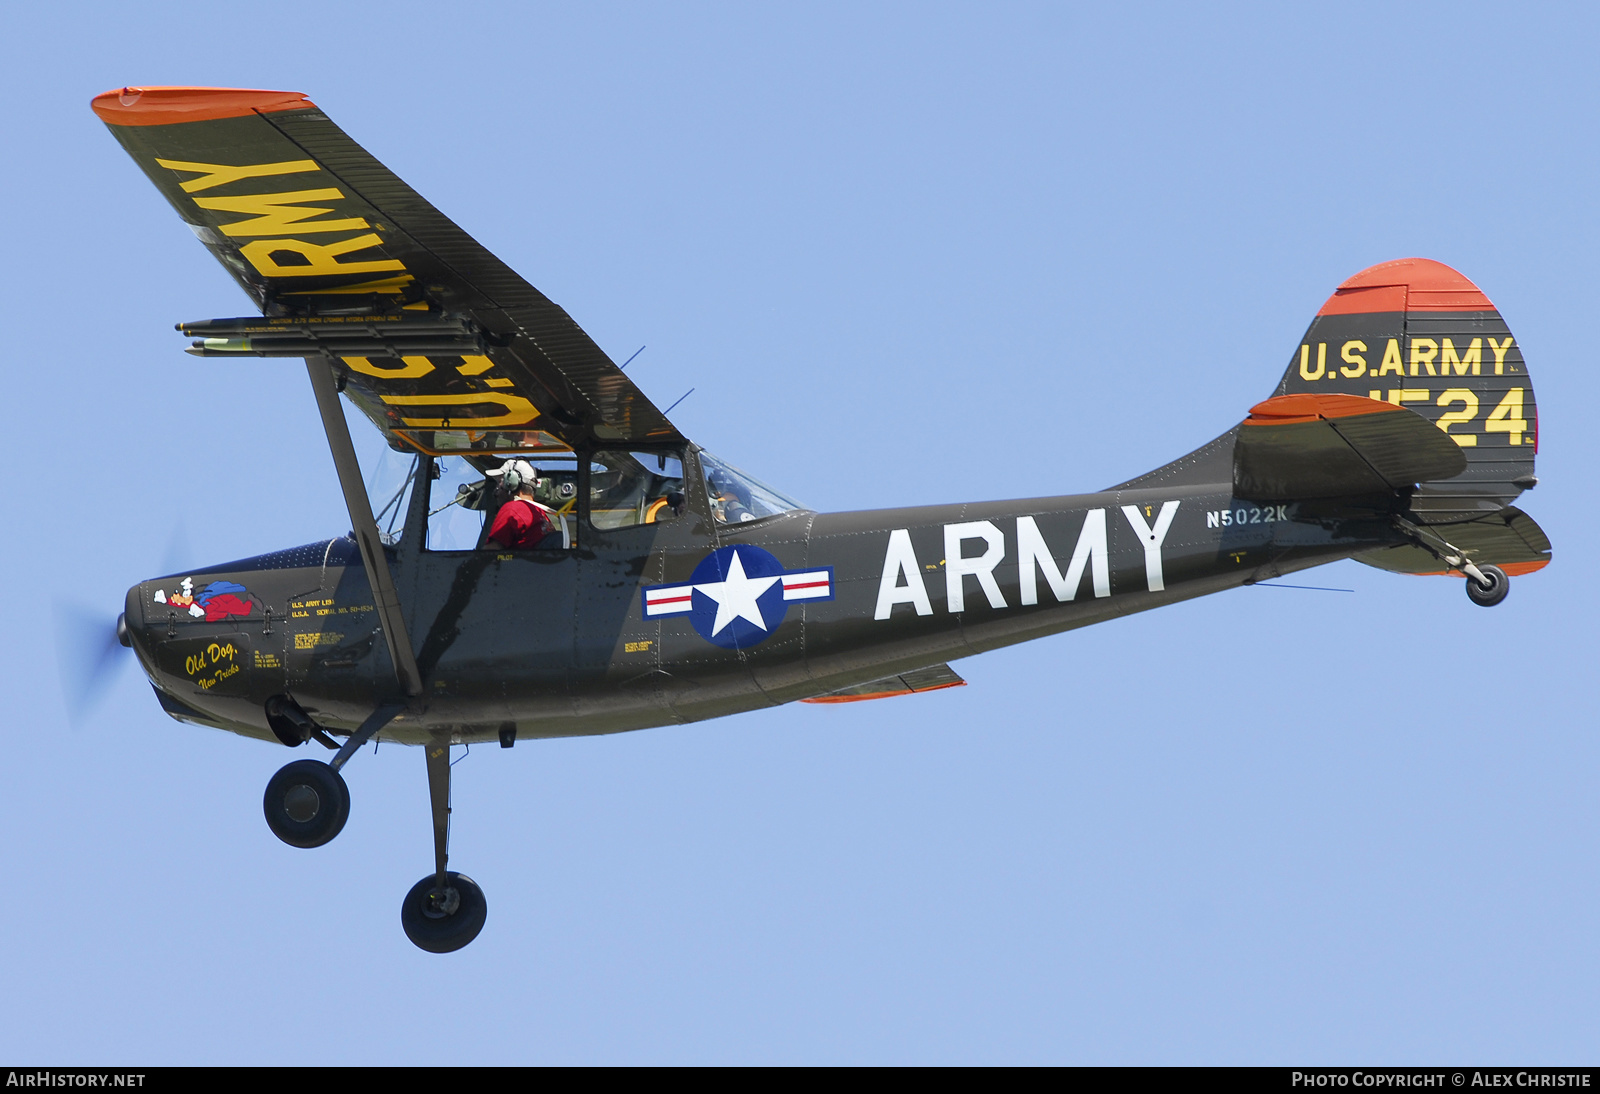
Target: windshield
389,490
736,497
452,525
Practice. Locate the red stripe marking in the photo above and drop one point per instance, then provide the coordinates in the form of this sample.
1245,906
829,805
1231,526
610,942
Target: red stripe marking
823,584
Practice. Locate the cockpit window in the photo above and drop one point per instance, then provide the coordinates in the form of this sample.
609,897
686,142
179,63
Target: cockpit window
464,499
632,488
736,497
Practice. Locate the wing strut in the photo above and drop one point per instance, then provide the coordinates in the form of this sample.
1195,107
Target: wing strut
385,598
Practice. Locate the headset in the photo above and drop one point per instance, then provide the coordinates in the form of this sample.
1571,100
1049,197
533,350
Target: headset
513,481
546,490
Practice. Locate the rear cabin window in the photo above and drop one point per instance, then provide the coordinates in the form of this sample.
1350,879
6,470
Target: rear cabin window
627,489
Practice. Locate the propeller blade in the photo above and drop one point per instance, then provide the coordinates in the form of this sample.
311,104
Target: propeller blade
89,657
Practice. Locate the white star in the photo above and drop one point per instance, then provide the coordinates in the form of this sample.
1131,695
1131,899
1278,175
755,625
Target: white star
736,596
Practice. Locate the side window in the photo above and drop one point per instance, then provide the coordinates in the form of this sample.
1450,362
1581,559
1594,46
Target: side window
465,498
556,493
627,489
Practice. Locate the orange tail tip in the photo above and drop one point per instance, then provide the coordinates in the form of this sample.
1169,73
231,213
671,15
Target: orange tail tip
1406,284
173,105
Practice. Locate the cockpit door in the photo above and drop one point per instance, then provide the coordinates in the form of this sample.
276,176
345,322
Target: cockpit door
493,629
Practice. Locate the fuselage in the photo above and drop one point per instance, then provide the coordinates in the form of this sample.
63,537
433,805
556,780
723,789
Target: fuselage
567,643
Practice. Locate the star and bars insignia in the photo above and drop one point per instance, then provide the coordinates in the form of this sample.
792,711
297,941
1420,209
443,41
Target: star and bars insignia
738,595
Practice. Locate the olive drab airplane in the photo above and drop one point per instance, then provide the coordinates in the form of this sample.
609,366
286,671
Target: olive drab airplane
666,585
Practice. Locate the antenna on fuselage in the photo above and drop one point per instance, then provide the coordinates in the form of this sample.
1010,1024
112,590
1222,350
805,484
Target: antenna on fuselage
1280,585
680,399
629,361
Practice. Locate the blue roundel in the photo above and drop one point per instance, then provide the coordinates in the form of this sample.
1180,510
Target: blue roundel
738,596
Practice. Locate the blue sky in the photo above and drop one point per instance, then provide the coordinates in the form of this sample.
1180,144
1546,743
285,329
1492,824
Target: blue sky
1011,250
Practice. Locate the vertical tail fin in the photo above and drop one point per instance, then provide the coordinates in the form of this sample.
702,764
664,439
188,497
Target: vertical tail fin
1415,336
1418,334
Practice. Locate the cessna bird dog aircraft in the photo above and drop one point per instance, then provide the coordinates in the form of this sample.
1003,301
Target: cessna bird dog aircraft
541,553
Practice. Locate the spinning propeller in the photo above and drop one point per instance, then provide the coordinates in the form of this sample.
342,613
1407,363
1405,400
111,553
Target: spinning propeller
92,644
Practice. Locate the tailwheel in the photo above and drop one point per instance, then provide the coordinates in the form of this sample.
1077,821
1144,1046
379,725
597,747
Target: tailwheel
442,920
306,803
1492,590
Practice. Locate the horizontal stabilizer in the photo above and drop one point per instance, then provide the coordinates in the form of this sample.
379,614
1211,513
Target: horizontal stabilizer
1508,539
1294,447
931,678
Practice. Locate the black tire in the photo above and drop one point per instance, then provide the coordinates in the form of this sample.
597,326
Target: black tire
306,803
436,931
1499,585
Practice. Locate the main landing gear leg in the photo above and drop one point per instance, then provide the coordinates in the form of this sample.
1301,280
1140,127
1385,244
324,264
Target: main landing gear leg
445,910
307,801
1486,585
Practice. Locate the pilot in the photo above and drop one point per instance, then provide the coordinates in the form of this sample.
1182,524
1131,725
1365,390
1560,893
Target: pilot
522,522
727,501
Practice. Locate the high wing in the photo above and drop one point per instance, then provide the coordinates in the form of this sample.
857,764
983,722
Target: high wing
440,343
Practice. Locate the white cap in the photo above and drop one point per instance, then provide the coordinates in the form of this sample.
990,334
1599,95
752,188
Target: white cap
524,471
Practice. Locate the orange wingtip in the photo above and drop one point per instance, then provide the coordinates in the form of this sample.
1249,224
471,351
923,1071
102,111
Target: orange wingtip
173,105
1288,409
1407,284
882,694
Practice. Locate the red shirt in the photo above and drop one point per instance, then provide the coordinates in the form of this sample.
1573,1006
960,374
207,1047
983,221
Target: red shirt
520,525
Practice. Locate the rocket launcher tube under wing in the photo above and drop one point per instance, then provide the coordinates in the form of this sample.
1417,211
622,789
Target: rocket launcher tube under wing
333,336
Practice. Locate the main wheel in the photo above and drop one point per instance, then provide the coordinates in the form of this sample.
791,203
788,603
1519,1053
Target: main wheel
306,803
442,922
1492,594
